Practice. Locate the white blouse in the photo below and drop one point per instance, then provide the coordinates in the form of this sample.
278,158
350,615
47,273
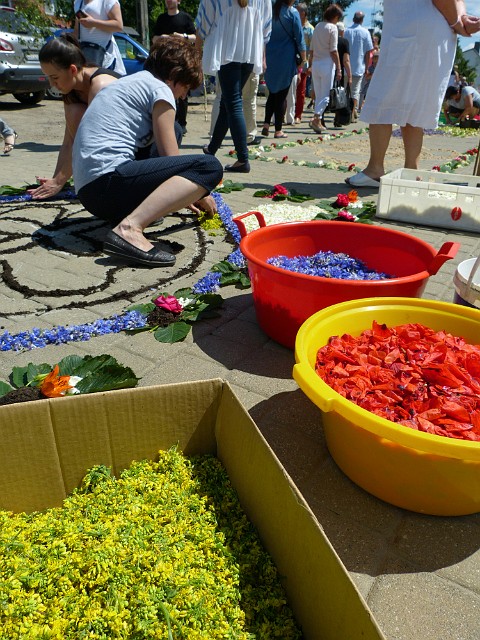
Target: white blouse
233,34
324,40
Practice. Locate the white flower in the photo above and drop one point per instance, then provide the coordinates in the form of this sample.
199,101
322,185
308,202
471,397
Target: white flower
184,302
278,212
355,205
320,163
73,381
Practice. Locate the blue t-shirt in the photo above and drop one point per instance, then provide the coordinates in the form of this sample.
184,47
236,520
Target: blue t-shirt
360,42
116,124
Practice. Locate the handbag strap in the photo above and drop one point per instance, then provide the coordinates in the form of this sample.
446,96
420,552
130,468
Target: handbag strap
288,34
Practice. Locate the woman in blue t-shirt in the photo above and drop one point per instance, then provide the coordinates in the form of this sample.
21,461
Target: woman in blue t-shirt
125,117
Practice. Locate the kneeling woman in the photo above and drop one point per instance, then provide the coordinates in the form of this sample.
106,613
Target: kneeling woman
129,115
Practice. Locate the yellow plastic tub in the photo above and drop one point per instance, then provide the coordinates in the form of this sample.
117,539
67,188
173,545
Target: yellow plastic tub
410,469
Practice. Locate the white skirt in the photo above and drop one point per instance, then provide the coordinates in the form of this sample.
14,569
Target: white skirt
417,51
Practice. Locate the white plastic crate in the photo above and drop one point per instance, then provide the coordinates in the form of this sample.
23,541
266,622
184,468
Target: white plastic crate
431,198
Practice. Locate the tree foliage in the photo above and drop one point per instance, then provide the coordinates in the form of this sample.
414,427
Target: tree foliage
465,70
317,7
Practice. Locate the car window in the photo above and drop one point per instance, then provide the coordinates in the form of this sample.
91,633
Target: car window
13,23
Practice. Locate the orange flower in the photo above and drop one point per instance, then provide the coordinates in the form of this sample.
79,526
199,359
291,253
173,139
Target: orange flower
54,386
352,196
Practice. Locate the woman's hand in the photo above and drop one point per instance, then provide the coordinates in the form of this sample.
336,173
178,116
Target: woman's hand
206,204
338,74
471,24
47,189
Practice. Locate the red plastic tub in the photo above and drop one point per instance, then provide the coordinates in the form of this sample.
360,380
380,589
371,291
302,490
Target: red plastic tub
284,300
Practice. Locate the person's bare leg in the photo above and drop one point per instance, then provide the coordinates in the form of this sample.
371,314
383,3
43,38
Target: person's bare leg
412,142
379,135
173,194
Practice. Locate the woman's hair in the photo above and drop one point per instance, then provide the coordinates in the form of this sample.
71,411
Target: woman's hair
331,12
176,60
277,5
243,3
63,52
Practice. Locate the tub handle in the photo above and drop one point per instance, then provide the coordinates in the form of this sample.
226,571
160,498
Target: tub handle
476,264
241,226
446,252
308,381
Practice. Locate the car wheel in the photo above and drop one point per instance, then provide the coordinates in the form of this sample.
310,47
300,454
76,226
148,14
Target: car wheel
54,94
32,97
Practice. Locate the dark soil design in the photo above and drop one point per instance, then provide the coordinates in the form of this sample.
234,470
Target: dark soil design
82,236
161,317
24,394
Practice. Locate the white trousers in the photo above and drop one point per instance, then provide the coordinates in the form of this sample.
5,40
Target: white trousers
323,74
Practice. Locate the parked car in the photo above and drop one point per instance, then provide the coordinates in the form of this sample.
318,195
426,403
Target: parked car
20,71
133,54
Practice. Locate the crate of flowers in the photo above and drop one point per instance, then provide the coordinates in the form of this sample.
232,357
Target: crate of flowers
160,512
431,198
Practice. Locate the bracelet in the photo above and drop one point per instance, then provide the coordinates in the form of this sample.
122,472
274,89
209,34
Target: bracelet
185,35
459,20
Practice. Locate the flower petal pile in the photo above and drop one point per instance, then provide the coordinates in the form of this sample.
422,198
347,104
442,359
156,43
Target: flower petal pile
410,374
327,264
164,551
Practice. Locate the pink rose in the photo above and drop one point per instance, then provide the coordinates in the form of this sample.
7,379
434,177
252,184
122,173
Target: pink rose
170,303
341,201
280,189
346,216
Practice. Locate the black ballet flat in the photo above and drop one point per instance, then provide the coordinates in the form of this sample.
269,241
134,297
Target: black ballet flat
239,168
116,246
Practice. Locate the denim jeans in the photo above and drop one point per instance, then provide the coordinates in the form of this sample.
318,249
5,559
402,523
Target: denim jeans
232,78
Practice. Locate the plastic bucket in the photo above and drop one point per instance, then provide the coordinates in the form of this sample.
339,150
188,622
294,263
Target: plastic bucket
467,283
284,300
410,469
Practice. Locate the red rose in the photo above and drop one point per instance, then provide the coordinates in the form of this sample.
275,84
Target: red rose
346,216
274,145
170,303
351,166
285,158
341,201
436,168
231,152
280,189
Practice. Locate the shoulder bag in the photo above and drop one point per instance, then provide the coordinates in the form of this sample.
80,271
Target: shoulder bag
338,97
94,53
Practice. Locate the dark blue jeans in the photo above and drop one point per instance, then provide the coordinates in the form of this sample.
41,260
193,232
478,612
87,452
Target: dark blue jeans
232,78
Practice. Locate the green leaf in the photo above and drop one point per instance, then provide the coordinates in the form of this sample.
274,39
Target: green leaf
175,332
262,193
230,278
110,377
186,292
142,308
4,388
245,282
18,377
212,300
21,376
93,364
69,364
7,190
224,267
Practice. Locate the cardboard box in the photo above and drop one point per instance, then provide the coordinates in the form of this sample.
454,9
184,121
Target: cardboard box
431,198
47,446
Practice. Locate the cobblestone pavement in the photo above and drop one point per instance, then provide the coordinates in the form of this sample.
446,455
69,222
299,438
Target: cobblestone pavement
420,575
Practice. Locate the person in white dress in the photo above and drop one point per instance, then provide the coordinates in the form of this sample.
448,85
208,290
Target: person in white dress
411,77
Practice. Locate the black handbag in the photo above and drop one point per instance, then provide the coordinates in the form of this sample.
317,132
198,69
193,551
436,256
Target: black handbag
338,97
344,116
94,53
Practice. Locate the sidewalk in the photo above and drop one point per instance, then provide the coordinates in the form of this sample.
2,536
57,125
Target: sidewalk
420,575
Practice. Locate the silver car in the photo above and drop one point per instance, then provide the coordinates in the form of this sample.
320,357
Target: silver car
20,71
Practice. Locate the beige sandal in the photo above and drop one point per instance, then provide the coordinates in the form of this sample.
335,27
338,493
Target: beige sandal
10,146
